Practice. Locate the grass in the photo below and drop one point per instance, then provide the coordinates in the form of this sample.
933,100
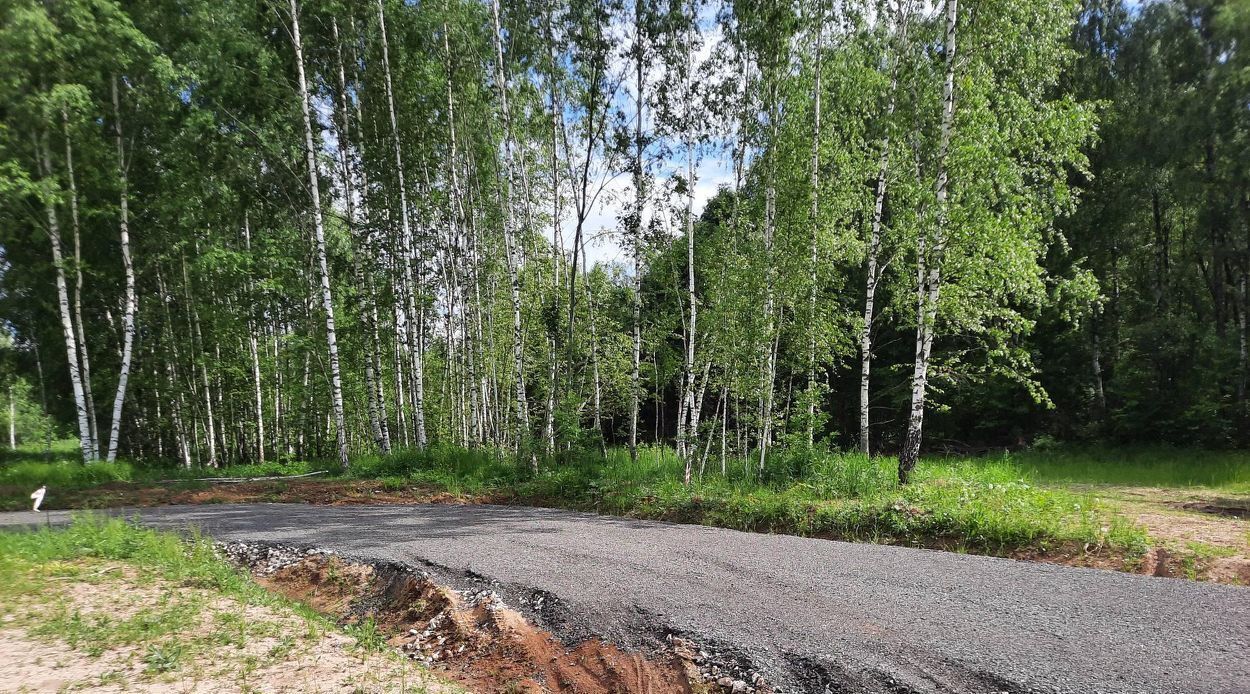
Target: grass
984,505
994,504
150,606
1140,467
189,562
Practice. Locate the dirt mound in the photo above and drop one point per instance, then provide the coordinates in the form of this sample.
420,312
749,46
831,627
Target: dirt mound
1232,508
473,638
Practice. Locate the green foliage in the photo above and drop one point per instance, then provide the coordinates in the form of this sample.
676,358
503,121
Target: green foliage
990,505
192,561
20,410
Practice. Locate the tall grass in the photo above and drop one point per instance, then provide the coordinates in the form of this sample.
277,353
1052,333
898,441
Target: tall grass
1139,466
981,505
191,561
993,503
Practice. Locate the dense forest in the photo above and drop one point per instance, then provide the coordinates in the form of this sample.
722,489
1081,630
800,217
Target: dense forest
246,230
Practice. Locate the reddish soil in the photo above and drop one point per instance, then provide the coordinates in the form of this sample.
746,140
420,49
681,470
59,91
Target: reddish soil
476,641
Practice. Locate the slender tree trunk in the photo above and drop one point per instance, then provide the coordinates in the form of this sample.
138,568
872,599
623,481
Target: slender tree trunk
685,434
640,198
327,298
815,223
84,355
510,243
132,303
929,271
210,423
366,295
1243,358
874,238
1096,353
254,353
769,361
12,420
62,295
553,396
407,249
597,393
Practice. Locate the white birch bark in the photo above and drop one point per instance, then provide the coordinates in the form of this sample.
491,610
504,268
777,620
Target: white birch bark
639,207
929,270
769,365
366,300
327,298
132,303
686,434
210,423
62,295
510,243
874,236
254,353
815,222
83,352
407,249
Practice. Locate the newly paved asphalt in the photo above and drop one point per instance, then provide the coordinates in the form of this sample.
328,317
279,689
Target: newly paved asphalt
811,615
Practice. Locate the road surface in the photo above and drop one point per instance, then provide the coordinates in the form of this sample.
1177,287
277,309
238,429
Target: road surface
810,615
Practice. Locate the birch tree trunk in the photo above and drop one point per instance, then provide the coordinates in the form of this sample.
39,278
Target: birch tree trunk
510,242
685,434
349,199
407,250
1243,350
639,206
132,303
553,397
1100,394
769,365
929,271
83,354
327,299
874,238
815,222
254,353
12,420
210,423
62,295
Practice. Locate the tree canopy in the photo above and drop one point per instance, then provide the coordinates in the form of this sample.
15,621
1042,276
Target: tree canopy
242,230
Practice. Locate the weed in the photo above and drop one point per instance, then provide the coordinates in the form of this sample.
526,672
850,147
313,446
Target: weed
160,658
369,637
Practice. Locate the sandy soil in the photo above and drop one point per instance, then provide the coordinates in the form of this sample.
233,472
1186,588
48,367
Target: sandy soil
1196,533
229,647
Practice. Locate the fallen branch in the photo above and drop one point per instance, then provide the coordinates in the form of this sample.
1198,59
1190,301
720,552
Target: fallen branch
247,479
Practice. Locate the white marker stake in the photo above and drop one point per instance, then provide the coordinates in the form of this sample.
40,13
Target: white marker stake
38,496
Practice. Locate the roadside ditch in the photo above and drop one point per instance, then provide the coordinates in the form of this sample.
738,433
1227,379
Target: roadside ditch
487,636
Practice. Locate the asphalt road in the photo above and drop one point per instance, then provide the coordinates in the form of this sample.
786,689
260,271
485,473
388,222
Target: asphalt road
811,615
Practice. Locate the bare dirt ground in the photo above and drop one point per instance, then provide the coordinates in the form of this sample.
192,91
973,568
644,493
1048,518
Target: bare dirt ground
109,628
1196,533
473,639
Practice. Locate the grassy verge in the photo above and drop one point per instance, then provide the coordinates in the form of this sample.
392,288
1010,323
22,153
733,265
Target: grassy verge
1035,500
1227,471
988,506
996,505
103,602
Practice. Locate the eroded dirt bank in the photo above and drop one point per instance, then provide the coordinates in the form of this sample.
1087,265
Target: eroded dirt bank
474,637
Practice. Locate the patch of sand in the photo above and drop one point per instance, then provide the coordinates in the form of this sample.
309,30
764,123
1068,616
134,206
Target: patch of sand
228,647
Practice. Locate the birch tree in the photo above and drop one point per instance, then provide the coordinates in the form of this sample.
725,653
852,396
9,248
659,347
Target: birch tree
327,298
